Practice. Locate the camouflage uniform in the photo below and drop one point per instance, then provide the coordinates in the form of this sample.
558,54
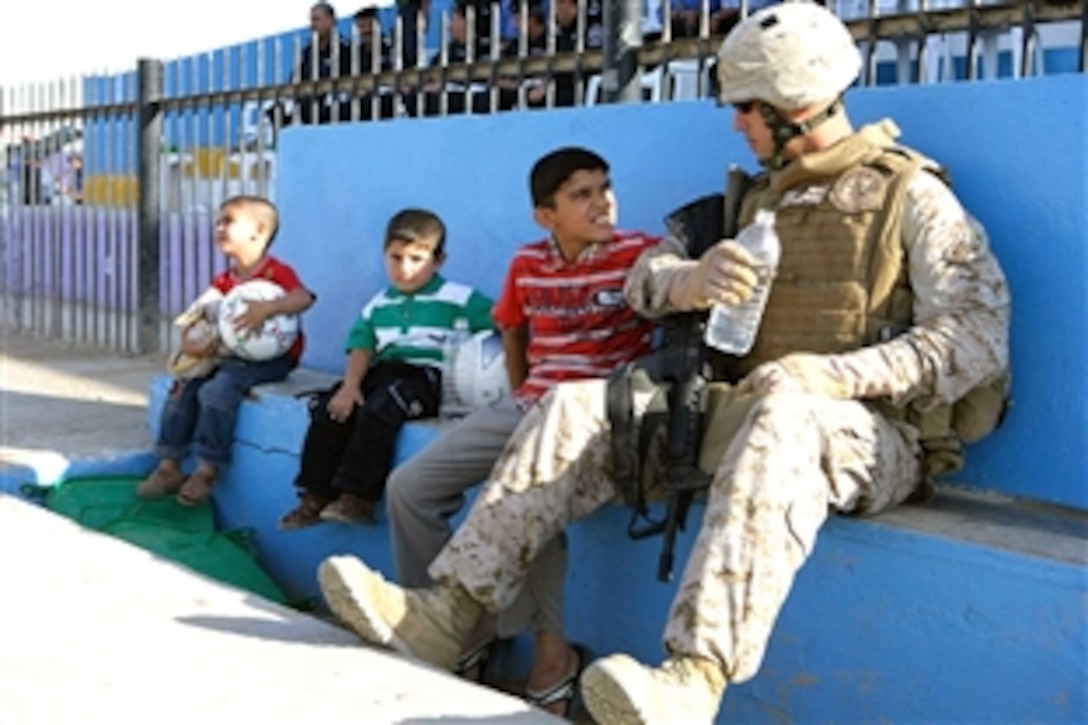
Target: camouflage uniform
764,508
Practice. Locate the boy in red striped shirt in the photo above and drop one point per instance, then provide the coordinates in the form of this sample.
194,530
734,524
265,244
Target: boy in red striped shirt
563,316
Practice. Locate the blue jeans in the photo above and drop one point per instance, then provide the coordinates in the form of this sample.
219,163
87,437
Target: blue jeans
202,412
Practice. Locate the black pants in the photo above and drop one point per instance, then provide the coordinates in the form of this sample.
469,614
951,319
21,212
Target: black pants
356,456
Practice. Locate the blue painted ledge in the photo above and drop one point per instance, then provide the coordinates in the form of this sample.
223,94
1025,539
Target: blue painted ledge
970,609
47,469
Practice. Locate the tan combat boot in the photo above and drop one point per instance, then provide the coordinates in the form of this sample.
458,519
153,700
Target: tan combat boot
617,690
428,624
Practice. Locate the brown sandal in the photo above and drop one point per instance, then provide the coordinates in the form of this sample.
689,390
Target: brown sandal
307,513
197,487
566,690
160,482
349,509
472,665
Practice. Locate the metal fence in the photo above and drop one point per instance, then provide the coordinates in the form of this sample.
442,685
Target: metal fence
109,184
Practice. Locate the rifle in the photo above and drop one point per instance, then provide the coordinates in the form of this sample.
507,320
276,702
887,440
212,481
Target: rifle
681,366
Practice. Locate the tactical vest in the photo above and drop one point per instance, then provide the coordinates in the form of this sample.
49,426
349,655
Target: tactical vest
843,278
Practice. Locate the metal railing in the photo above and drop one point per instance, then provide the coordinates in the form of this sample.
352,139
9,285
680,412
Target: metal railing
108,184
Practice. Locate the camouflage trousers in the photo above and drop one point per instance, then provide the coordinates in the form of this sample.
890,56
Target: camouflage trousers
794,458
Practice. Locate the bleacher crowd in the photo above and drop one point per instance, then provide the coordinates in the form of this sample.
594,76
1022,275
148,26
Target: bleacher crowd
471,31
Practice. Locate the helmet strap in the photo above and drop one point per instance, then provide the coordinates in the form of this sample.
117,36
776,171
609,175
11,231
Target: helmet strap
783,130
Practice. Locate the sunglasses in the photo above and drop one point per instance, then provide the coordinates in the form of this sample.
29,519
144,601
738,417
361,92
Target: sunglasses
744,106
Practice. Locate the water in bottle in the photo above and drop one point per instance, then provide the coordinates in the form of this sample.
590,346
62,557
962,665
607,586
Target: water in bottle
732,328
451,400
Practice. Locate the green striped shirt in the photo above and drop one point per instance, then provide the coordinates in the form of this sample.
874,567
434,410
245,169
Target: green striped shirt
414,328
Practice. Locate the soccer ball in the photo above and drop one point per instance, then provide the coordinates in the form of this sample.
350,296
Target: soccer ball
276,335
477,373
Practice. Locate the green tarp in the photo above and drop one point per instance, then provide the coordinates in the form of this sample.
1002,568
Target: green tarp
186,535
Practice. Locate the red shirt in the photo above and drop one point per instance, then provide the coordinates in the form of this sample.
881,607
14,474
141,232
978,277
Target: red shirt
272,270
580,325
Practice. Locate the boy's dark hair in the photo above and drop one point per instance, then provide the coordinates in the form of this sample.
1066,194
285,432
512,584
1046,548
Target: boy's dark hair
262,209
552,170
368,12
417,226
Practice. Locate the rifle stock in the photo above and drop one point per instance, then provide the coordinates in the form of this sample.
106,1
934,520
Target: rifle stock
687,401
736,183
697,226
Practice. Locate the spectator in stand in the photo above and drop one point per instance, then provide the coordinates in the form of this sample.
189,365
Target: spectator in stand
724,14
73,179
333,51
566,16
566,41
536,44
566,20
370,41
31,175
460,95
369,29
413,14
330,58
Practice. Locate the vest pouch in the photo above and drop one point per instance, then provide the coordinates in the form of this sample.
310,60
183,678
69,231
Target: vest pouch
980,411
726,412
942,456
932,424
941,449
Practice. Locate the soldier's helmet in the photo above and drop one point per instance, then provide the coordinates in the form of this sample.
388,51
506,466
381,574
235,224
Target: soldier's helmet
790,55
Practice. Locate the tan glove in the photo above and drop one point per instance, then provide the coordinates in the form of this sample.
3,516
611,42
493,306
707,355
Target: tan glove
726,273
185,366
801,372
204,307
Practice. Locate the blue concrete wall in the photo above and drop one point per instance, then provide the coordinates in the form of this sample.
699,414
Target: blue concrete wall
1016,151
883,624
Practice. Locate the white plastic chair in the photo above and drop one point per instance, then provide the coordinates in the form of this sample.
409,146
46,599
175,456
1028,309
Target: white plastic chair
256,129
1014,37
651,81
652,20
683,79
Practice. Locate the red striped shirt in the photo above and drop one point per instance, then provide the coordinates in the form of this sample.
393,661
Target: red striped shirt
580,325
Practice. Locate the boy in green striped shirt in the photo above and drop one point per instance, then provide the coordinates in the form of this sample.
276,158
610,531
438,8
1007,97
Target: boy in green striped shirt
393,374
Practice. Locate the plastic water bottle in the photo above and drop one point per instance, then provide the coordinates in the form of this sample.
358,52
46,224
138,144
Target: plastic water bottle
732,328
451,399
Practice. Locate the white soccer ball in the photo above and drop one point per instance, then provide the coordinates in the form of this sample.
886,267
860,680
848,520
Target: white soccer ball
276,335
478,373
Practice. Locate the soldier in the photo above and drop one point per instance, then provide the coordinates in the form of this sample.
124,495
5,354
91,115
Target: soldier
883,347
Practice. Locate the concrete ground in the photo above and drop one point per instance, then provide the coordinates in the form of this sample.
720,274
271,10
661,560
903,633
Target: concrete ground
63,401
94,630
